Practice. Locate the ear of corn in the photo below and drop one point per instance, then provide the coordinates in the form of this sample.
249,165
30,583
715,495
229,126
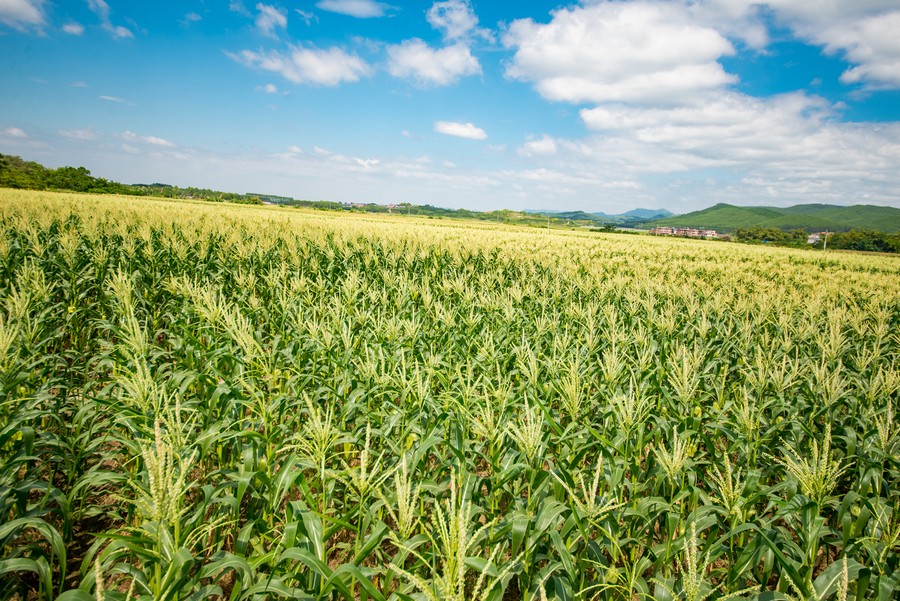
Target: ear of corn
207,401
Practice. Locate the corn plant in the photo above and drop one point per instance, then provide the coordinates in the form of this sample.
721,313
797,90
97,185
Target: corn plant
228,402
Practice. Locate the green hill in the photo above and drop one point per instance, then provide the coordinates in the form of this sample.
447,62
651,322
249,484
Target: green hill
811,217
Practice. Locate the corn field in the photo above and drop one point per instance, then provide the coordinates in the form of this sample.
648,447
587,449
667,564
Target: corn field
214,402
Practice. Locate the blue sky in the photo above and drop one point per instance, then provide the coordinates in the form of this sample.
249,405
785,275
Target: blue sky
592,105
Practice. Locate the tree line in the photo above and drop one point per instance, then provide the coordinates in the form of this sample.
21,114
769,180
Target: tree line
18,173
866,240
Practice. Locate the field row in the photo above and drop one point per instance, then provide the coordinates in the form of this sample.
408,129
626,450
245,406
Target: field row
249,403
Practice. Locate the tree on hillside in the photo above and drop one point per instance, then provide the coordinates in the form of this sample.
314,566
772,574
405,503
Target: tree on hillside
868,240
77,179
17,173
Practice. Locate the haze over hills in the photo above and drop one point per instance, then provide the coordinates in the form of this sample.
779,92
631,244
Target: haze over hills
18,173
632,217
811,217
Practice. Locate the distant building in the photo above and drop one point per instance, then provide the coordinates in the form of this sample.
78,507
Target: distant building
814,238
690,232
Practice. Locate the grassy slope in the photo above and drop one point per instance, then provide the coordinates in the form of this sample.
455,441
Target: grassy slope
726,217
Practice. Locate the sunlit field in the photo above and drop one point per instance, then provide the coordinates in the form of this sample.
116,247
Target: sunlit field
210,401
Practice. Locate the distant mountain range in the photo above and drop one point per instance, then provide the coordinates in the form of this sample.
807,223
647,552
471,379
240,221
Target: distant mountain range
18,173
811,217
632,217
727,218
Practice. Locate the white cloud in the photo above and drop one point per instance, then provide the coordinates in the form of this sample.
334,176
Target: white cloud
102,10
460,130
730,129
112,99
456,19
78,134
269,19
119,32
78,84
308,17
367,164
791,145
14,132
269,88
417,60
544,146
153,140
361,9
237,6
22,14
864,32
617,51
327,67
873,43
73,28
191,17
737,19
627,52
99,8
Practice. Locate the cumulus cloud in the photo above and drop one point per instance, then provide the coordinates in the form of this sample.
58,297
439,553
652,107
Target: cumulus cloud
102,10
543,146
621,51
73,28
460,130
414,59
864,33
628,52
367,164
129,136
14,132
237,6
361,9
456,19
269,19
78,134
731,129
872,43
22,14
327,67
779,150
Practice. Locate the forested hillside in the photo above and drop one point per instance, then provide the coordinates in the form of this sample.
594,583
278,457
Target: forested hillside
18,173
812,217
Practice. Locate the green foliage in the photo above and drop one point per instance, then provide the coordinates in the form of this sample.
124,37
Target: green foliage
868,240
864,240
23,175
771,235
